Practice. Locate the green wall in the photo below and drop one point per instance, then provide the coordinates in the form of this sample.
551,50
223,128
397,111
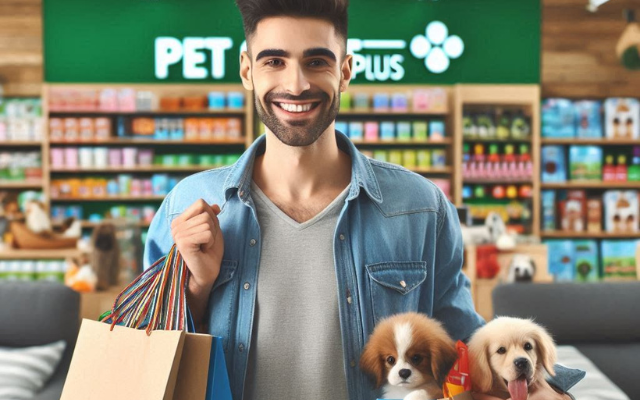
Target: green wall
113,41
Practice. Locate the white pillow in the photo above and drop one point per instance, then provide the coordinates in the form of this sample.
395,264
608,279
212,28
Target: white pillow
24,371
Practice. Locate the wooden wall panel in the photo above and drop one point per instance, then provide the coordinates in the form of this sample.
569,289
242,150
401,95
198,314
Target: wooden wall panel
21,47
578,50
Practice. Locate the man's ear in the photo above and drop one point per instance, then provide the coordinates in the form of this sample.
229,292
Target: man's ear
245,70
345,72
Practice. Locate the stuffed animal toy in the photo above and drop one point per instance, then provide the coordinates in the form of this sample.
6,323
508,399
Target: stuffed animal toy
494,231
487,265
521,269
628,47
38,220
105,257
80,277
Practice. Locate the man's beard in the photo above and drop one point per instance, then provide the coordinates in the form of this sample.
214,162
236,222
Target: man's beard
298,133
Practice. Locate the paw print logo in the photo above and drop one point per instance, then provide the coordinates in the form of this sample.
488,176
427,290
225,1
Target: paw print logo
437,47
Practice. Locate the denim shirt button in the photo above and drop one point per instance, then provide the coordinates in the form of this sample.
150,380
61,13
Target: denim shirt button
252,242
341,236
241,348
246,286
353,363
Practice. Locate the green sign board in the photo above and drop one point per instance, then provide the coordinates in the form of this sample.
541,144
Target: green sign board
393,41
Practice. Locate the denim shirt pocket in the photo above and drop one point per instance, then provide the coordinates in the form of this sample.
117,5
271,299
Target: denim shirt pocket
222,301
395,287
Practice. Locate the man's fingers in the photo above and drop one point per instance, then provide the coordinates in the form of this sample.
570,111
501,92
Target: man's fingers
194,236
198,207
197,220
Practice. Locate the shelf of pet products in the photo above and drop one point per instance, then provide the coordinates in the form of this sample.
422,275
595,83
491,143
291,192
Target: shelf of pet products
139,169
586,141
108,198
26,184
93,224
589,235
8,144
142,113
18,254
92,214
591,185
496,142
399,142
154,142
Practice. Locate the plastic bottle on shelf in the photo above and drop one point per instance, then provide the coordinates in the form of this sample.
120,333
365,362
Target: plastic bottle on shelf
621,169
492,168
466,159
479,159
609,170
525,165
509,161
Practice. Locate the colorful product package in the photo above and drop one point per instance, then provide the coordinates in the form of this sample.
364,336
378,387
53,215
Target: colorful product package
438,158
361,101
395,157
371,133
420,130
554,165
409,158
424,158
561,259
345,101
588,119
404,130
381,155
558,118
356,130
621,211
585,163
622,118
549,210
436,130
586,261
343,127
619,260
399,102
387,130
381,102
594,215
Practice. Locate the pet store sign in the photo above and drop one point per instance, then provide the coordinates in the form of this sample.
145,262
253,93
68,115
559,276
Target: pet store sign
375,60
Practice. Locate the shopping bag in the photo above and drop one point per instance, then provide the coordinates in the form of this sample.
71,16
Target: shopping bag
146,348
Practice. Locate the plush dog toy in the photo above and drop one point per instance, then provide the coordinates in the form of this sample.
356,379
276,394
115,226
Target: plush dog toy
105,257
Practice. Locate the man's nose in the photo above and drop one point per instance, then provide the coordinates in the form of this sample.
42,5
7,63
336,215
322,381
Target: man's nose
297,81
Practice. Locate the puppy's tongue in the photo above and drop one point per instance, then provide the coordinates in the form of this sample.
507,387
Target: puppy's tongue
518,389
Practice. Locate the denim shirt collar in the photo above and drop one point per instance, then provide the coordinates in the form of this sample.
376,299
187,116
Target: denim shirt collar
362,176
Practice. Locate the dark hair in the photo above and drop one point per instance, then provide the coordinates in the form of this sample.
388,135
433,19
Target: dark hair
334,11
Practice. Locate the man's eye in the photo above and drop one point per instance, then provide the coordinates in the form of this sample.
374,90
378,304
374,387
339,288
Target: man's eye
318,63
274,63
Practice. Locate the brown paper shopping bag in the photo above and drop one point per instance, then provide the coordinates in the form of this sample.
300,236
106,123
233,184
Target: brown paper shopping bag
123,364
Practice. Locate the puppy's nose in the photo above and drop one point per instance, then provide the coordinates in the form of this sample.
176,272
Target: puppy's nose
521,364
404,373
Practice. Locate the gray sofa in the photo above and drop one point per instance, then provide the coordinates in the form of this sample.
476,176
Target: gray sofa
38,313
602,320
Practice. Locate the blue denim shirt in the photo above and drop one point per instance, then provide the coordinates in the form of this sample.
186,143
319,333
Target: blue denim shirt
397,248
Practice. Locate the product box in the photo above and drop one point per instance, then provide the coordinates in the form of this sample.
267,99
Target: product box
381,102
621,211
436,130
554,165
619,260
399,102
343,127
549,210
371,131
585,163
403,130
395,157
345,101
424,158
558,118
573,211
594,215
588,119
356,130
586,261
622,118
387,130
419,131
409,158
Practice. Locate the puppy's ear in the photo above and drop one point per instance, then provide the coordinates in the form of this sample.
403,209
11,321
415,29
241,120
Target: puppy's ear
479,368
443,356
372,364
546,350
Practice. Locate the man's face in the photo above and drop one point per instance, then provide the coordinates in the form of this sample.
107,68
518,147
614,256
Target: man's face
296,70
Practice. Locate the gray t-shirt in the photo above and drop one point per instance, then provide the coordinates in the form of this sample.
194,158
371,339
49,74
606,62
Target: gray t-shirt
296,348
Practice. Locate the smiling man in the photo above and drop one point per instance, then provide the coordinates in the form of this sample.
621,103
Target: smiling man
298,249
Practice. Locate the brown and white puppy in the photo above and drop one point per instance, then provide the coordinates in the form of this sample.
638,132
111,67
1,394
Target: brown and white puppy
508,357
411,355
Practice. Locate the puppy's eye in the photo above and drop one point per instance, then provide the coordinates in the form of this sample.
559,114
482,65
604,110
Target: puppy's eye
391,360
502,350
528,346
417,359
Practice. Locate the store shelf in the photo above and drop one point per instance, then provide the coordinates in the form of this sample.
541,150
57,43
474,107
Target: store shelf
589,235
89,224
28,184
407,113
495,140
64,113
497,181
134,142
443,142
25,254
432,171
22,143
153,168
598,142
109,199
591,185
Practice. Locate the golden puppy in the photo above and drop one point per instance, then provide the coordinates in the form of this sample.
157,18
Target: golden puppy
411,355
507,360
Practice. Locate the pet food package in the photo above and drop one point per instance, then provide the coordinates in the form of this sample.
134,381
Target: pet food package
554,164
561,259
619,260
586,261
558,118
588,120
621,211
622,118
585,163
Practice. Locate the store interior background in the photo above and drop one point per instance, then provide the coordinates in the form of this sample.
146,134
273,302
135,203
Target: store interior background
577,61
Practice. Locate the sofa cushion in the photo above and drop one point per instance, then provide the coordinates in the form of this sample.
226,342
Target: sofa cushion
24,371
573,313
618,361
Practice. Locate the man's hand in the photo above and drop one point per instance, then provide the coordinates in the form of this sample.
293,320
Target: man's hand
199,240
